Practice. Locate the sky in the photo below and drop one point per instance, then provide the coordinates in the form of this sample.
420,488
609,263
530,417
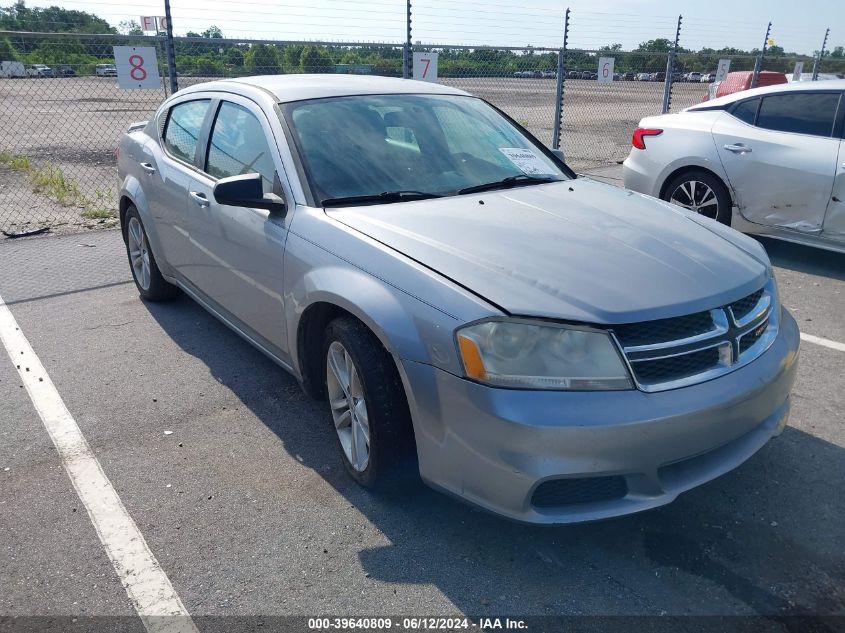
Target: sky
593,23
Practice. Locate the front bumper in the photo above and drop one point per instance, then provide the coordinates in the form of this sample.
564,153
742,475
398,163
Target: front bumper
493,447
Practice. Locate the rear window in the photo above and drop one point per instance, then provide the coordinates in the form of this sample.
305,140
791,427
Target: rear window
746,111
799,113
183,129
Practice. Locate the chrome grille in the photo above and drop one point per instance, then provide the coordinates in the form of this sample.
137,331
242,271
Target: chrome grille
671,353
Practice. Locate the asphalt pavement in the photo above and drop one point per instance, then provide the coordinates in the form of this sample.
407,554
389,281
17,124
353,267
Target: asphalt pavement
231,475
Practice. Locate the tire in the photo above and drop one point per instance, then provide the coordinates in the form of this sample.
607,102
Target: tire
145,273
391,453
705,188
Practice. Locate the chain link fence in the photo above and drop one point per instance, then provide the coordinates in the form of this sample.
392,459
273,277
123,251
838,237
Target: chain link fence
59,127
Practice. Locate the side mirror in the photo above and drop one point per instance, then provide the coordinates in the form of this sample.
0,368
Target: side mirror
559,154
246,191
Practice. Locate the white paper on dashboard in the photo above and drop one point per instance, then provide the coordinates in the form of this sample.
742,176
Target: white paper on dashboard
527,161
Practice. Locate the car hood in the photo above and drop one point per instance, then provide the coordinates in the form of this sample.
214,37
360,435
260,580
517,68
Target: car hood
576,250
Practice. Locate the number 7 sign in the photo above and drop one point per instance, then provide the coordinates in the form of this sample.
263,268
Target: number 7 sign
425,67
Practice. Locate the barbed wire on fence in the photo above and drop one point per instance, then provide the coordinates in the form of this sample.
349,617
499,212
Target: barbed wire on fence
59,128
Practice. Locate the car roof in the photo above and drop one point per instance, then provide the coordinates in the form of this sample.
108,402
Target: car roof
813,86
288,88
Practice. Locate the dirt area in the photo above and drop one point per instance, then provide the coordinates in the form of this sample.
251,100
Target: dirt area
68,129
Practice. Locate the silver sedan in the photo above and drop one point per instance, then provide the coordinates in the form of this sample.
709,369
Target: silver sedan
546,347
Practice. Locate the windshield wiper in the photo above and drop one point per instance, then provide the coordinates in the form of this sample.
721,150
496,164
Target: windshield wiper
511,181
379,198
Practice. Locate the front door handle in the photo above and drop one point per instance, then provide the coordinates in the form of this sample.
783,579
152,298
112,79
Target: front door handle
148,168
199,198
738,148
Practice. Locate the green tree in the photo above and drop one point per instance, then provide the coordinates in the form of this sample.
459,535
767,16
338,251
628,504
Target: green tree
660,45
234,57
129,27
315,60
213,32
7,51
19,17
261,59
838,52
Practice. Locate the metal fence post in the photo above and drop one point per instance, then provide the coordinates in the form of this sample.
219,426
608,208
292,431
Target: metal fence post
818,60
171,52
670,69
407,61
561,78
758,65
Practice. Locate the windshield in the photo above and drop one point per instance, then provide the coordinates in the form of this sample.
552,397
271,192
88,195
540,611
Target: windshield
416,145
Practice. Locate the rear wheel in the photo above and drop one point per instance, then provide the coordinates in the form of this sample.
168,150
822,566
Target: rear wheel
369,410
700,192
151,285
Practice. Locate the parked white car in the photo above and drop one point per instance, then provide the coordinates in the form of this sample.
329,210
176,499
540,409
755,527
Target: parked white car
693,77
106,70
776,154
39,70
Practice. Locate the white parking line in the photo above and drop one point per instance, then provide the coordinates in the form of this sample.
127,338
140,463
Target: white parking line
145,582
823,341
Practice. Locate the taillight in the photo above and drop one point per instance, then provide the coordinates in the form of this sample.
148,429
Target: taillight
638,139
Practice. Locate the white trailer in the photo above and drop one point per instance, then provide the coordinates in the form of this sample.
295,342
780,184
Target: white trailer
12,69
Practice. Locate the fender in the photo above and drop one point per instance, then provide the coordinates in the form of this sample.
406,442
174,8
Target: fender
408,327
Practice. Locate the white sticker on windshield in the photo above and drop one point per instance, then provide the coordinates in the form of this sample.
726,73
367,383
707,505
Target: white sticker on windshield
526,160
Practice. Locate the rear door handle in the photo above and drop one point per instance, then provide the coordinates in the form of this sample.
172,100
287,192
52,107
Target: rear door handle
148,168
738,148
199,198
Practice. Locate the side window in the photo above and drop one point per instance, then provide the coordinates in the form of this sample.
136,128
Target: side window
746,111
183,129
801,113
239,146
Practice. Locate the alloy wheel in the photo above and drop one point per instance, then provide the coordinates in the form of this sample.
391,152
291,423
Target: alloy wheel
349,408
696,196
139,253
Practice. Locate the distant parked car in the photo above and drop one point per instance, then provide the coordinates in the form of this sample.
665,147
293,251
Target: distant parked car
629,76
741,80
549,74
771,153
65,70
693,77
661,76
106,70
39,70
708,78
643,76
573,74
820,77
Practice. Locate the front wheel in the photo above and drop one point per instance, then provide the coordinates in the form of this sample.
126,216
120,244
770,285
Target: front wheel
369,410
700,192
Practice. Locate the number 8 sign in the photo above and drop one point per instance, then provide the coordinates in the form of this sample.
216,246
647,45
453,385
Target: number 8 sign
137,67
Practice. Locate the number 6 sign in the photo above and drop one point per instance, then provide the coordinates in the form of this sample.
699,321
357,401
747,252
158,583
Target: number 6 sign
137,67
425,67
606,69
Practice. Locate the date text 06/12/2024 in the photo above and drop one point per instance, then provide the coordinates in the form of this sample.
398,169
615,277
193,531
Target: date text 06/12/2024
415,624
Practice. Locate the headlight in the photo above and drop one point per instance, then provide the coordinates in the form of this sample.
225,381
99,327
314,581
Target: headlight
528,355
